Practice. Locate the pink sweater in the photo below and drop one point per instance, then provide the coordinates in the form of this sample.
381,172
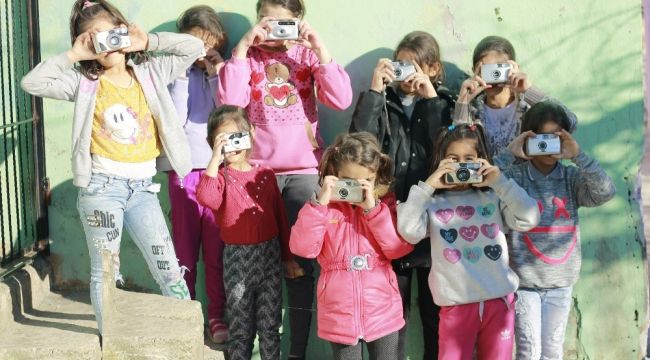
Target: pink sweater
277,89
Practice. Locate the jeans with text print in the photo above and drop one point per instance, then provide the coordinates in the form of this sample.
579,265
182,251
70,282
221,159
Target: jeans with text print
110,203
540,322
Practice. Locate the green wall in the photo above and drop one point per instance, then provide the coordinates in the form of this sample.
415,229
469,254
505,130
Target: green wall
586,53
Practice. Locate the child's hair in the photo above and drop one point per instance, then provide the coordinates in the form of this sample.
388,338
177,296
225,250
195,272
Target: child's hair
358,148
543,112
493,43
297,7
222,115
454,133
204,17
85,11
426,50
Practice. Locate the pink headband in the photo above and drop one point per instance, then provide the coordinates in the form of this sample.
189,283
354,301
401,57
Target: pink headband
88,4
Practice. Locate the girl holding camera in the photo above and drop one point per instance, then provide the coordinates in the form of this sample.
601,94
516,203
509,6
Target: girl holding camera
277,72
547,258
499,104
358,298
123,118
253,225
406,117
193,226
470,278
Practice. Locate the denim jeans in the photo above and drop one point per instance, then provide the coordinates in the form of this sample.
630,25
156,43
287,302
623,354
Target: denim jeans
110,202
540,323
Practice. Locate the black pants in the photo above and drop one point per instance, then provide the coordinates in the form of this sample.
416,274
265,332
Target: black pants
429,311
384,348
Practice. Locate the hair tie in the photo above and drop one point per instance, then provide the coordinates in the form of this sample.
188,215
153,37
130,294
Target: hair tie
451,127
88,4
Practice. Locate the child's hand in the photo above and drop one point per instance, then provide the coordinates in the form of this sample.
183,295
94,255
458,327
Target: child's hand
83,48
437,179
490,173
369,201
139,39
517,80
473,86
255,36
292,270
384,73
326,190
310,39
217,155
517,145
213,62
421,83
570,147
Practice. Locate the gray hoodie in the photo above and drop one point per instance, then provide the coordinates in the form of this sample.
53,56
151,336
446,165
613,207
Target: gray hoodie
57,79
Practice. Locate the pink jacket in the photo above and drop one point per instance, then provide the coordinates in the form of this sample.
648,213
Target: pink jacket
352,304
279,91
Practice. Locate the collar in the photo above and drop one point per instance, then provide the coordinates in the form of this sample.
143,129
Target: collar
534,174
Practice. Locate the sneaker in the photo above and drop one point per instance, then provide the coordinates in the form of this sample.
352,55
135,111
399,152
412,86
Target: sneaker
217,331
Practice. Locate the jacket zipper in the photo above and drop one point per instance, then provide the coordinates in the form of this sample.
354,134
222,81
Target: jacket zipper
356,276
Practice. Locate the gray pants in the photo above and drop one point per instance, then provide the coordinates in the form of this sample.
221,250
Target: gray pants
296,191
253,283
384,348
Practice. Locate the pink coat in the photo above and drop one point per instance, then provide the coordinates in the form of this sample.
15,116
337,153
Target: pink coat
352,304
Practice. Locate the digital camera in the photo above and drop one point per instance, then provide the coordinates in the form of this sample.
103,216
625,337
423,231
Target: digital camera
402,70
237,141
347,190
283,30
465,174
111,40
495,73
543,144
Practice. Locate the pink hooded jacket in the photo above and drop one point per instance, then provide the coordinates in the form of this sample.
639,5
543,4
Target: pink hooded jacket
352,304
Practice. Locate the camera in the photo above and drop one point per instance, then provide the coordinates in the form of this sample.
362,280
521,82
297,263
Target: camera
402,70
347,190
543,144
465,174
495,73
283,30
237,141
111,40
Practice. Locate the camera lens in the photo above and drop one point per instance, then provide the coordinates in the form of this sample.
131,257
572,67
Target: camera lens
235,142
462,175
343,193
282,31
398,72
542,145
496,74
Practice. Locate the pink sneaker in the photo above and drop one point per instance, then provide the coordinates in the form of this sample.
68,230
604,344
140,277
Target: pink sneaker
217,331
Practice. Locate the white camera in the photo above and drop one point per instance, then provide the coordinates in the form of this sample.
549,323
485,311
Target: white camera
402,70
347,190
111,40
495,73
466,173
543,144
237,141
283,30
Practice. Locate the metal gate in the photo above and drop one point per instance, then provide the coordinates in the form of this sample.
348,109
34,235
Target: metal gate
23,185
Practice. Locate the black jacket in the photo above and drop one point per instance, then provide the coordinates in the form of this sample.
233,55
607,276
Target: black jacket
409,142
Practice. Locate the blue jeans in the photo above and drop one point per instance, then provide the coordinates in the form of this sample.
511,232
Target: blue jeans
108,203
540,323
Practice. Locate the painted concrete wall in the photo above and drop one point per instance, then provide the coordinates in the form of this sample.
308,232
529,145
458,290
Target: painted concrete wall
586,53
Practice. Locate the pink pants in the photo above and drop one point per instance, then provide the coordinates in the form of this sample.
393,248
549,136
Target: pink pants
489,325
194,226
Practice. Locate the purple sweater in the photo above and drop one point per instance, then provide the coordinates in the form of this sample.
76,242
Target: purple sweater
195,96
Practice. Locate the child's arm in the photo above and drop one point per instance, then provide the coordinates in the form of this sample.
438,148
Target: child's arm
213,82
519,211
281,217
368,114
209,192
382,222
181,50
234,83
593,187
308,233
412,215
333,87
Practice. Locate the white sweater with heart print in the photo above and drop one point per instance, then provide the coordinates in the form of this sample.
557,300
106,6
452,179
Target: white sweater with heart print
468,244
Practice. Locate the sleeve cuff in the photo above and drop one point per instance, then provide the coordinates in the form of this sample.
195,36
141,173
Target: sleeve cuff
500,184
581,159
426,188
534,95
153,42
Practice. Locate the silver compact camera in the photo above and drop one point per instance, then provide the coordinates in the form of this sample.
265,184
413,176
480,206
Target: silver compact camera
237,141
402,70
283,30
111,40
347,190
495,73
543,144
465,174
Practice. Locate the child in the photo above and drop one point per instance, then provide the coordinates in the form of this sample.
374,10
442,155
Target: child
253,225
358,297
470,278
405,117
123,117
547,258
193,226
278,81
501,106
